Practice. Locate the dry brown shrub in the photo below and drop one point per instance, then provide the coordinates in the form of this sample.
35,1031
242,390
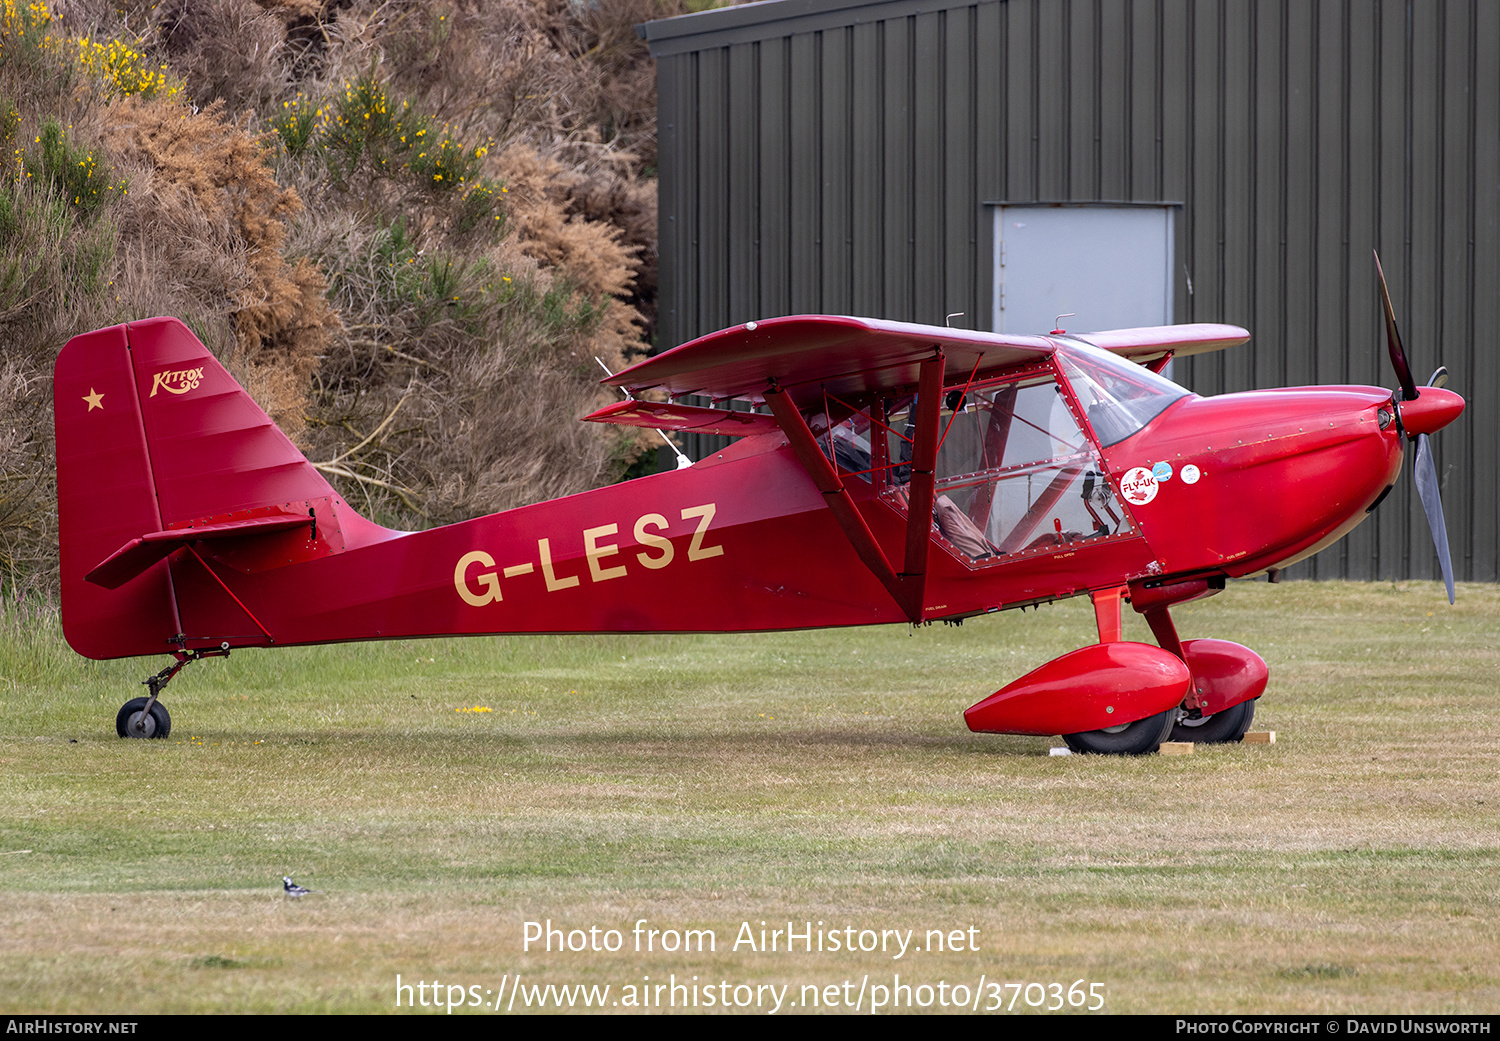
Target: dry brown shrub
621,107
491,68
487,404
572,80
588,253
488,395
613,195
278,311
485,389
174,260
226,50
513,439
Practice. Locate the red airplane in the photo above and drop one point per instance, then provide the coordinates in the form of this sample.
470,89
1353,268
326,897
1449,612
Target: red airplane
888,472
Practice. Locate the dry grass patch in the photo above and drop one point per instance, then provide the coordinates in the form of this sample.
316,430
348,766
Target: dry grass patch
709,781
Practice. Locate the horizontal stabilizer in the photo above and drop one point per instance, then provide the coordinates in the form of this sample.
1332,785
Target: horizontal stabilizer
138,554
660,415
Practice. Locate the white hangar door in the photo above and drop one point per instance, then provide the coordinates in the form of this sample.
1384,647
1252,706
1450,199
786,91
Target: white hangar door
1109,265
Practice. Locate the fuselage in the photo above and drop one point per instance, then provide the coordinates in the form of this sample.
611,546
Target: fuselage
190,523
742,541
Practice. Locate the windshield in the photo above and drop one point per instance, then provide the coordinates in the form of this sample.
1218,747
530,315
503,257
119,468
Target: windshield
1117,396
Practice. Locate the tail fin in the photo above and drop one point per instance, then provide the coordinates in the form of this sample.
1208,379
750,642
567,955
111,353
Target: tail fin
158,447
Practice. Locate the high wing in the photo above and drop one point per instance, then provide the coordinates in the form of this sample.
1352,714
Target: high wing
1179,341
795,365
806,356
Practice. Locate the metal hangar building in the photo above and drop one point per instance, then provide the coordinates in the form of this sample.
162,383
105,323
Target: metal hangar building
1134,162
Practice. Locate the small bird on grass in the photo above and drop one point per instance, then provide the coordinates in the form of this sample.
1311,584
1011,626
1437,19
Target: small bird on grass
292,889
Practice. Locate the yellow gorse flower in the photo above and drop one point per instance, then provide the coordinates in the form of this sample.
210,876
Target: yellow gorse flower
119,65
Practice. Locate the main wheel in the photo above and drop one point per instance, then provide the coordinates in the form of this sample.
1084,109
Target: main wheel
1218,728
1139,738
134,721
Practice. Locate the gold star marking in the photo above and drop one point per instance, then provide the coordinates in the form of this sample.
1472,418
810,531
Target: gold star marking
95,399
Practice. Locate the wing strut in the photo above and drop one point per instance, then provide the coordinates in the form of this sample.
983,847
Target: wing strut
908,587
923,462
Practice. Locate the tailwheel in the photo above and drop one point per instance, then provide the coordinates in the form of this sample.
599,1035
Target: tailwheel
148,717
1142,737
137,720
1217,728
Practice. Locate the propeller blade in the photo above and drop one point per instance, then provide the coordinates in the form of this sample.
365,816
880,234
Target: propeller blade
1424,468
1427,491
1393,339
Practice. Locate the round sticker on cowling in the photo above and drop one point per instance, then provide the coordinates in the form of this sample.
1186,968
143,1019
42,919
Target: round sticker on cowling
1138,486
1190,474
1162,471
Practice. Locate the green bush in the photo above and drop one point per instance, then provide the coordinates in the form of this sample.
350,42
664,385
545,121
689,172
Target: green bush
10,122
363,126
294,126
482,208
23,34
565,310
123,70
47,253
75,175
446,164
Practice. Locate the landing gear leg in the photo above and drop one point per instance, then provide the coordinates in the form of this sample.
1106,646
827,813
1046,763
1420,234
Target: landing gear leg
1227,678
147,717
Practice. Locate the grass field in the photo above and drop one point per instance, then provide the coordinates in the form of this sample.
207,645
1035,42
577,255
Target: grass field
440,794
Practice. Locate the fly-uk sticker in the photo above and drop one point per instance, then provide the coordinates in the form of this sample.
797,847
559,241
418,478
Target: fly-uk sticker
1138,486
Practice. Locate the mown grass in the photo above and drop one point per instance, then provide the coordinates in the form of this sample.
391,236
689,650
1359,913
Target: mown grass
706,781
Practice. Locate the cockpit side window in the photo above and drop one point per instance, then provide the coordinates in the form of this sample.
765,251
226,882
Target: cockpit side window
1016,474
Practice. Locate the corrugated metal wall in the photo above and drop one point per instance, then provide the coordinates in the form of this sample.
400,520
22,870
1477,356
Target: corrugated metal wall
821,156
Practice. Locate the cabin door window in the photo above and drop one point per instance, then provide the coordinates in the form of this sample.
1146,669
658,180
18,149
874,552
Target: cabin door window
1016,474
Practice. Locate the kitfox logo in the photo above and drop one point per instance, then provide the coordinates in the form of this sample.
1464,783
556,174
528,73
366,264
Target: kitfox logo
176,381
